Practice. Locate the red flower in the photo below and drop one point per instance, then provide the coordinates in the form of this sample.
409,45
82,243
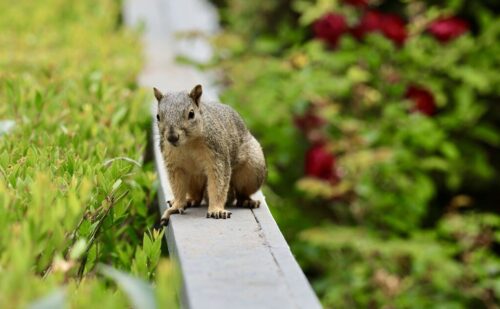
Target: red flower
423,100
320,163
390,25
393,27
330,28
309,121
357,3
369,22
446,28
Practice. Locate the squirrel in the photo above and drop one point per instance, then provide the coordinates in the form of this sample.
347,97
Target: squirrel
208,152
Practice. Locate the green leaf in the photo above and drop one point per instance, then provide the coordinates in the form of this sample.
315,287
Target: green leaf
139,292
116,185
55,300
486,133
78,249
450,150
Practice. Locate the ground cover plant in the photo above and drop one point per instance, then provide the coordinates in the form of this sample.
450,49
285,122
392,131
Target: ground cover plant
74,190
391,107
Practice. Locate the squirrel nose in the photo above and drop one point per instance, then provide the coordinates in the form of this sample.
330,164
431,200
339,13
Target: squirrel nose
173,138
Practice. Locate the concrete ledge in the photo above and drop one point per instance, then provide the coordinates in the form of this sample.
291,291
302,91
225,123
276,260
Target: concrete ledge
241,262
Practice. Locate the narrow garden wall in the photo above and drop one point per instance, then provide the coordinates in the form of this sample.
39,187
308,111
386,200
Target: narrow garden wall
243,262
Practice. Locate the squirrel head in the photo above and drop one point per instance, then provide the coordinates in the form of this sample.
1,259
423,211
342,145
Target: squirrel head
179,116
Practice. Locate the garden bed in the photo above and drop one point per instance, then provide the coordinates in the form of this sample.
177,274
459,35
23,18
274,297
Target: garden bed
380,125
73,189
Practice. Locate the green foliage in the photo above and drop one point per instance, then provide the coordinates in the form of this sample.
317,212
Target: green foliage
360,89
420,147
399,170
140,293
147,257
430,269
73,191
274,20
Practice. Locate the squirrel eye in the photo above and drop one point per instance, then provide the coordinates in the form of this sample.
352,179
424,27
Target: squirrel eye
158,117
191,114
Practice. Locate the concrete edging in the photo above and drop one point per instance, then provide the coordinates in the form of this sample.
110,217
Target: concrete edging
242,262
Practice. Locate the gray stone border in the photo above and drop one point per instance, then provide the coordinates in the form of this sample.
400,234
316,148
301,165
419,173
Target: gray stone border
242,262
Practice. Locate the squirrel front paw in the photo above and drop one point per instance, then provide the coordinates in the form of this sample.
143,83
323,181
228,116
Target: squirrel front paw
219,214
178,207
173,208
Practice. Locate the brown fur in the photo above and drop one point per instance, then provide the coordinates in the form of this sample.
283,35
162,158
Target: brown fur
211,152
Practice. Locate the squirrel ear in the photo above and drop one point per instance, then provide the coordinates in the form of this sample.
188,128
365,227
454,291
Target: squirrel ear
195,94
158,94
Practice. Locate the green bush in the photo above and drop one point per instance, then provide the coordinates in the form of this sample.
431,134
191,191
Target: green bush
394,120
451,267
73,191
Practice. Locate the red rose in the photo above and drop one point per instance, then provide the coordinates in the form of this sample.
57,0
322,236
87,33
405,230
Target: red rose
446,28
390,25
309,121
393,28
369,22
357,3
330,28
320,163
423,100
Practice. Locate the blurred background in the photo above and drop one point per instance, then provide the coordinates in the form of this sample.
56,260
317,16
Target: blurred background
380,121
381,125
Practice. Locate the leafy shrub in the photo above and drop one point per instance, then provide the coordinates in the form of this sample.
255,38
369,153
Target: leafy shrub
400,112
73,191
452,267
390,107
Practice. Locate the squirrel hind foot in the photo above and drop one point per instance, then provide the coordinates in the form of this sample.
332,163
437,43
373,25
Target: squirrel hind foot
247,202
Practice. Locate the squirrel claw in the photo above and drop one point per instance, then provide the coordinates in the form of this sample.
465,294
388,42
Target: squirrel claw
219,214
248,203
169,211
